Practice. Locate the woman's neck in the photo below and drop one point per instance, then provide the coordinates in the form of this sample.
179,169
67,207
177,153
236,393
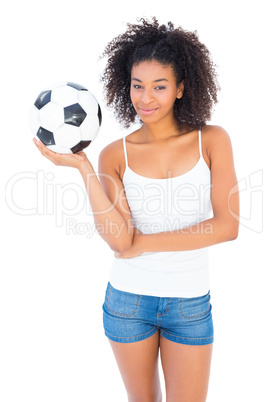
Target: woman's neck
158,132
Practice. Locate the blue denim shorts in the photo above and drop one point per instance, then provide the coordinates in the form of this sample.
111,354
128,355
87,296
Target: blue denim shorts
129,317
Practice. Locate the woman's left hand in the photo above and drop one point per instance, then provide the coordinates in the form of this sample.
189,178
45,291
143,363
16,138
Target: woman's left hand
135,249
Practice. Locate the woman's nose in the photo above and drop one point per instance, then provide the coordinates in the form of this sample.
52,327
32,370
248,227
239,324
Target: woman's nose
147,96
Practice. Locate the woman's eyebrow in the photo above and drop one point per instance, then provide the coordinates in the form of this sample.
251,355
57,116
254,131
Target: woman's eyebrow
160,79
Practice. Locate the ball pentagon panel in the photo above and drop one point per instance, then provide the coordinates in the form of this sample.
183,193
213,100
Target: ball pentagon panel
45,136
43,98
76,86
74,115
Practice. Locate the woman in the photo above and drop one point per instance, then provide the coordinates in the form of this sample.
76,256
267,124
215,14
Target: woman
158,187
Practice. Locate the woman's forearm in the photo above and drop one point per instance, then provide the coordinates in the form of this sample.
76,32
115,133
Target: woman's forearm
204,234
109,223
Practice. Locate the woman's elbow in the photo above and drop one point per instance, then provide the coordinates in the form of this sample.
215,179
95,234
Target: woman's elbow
228,230
122,245
233,232
235,235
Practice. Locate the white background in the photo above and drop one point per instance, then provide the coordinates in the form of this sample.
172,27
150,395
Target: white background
54,275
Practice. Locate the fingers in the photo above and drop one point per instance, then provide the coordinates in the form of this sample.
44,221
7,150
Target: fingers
71,160
40,145
46,152
37,143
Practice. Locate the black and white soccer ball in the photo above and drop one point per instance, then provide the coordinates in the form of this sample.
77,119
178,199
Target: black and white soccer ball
66,118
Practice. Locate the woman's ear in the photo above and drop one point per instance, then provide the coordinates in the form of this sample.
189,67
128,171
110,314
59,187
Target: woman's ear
180,89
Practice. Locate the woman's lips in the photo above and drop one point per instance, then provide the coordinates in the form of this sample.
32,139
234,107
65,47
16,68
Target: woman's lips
147,111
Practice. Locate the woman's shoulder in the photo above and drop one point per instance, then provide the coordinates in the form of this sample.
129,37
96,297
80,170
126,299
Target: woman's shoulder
213,136
210,130
114,149
216,141
112,155
212,133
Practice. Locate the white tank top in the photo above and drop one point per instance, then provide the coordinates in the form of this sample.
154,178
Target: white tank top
160,205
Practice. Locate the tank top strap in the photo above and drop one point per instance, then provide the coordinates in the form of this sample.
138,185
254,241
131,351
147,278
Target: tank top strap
125,150
200,144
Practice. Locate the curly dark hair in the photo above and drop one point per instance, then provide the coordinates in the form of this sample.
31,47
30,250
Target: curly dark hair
182,50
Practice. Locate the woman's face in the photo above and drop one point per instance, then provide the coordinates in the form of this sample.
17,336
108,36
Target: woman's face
153,91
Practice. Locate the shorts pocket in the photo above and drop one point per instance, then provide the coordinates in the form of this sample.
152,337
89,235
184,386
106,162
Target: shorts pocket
123,304
193,308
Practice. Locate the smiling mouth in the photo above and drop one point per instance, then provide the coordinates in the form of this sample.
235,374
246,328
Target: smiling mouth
147,111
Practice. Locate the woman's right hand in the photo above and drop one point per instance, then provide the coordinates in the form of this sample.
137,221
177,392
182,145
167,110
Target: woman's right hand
71,160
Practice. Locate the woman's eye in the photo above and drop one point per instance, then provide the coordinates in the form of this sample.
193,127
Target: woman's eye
136,86
160,87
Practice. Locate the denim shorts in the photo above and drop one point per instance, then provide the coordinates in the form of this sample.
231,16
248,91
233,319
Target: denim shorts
130,317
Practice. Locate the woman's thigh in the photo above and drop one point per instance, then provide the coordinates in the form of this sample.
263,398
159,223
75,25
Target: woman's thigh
186,370
138,365
186,339
134,338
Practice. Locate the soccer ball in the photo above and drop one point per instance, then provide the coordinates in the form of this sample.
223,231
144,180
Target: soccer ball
66,118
